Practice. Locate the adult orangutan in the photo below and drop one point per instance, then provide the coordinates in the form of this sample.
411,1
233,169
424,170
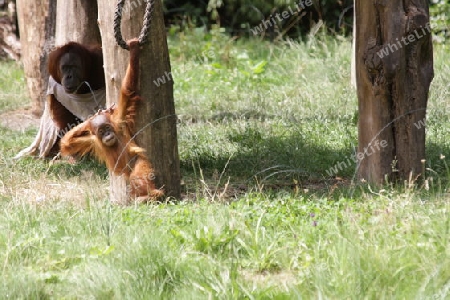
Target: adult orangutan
76,90
109,136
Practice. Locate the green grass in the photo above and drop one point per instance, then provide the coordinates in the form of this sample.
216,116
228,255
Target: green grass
260,126
12,86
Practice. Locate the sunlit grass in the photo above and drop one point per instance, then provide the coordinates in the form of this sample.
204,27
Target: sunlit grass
12,86
260,124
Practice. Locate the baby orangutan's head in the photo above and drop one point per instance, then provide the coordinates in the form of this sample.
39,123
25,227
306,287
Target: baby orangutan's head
103,129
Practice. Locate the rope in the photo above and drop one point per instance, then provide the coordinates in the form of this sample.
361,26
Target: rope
143,37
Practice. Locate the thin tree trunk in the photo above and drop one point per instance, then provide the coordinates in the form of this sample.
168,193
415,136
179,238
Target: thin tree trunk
36,20
353,58
394,69
156,119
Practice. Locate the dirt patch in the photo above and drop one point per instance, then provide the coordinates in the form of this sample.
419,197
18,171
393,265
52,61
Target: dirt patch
45,189
19,120
281,280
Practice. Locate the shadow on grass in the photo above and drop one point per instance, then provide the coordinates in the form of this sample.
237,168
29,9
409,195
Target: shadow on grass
296,156
274,157
260,157
61,168
438,159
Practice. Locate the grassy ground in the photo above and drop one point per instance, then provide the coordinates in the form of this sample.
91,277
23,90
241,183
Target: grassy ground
260,126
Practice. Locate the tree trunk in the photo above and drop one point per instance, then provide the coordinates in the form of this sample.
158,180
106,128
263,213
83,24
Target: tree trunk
76,21
353,58
394,69
36,26
156,119
9,41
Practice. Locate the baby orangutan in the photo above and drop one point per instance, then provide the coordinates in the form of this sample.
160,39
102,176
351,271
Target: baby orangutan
108,135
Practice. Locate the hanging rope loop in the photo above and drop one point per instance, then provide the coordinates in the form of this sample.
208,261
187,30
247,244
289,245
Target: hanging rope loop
143,37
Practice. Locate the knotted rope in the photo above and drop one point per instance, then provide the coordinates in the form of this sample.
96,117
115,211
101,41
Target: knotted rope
143,37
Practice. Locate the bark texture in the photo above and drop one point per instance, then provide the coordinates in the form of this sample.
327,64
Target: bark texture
394,69
9,41
156,119
36,20
76,21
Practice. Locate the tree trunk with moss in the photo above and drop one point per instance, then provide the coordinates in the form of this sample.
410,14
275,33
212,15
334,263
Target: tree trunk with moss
394,69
